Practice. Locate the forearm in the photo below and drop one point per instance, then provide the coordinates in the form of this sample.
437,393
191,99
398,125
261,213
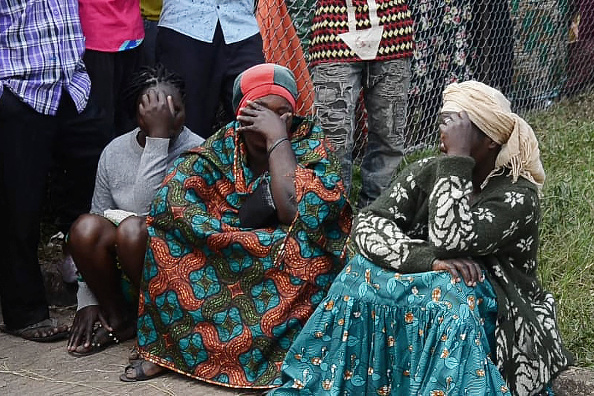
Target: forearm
150,173
282,165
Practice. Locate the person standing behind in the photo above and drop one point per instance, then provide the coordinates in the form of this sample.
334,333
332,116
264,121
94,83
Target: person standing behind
150,11
209,43
363,44
113,32
46,108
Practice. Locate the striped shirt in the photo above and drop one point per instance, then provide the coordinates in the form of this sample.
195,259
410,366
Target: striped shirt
336,17
41,48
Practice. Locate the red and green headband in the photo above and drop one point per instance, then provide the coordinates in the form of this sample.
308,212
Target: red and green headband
262,80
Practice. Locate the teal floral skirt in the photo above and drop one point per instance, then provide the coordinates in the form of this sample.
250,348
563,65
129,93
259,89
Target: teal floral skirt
379,332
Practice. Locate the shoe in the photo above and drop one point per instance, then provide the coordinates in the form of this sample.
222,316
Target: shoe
35,332
139,374
103,338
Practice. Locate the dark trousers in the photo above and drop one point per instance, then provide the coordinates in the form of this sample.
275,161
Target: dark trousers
149,43
209,70
110,74
29,142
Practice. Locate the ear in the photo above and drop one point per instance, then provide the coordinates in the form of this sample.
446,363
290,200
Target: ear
493,145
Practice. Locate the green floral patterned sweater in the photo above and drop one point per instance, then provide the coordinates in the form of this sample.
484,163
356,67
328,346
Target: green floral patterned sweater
428,213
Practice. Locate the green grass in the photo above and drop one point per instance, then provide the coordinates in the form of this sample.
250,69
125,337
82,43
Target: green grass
566,135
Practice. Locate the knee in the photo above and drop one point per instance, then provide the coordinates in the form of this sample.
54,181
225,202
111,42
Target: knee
87,230
132,231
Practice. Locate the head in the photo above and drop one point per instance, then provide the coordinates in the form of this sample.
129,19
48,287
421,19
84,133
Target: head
484,150
504,131
159,79
271,85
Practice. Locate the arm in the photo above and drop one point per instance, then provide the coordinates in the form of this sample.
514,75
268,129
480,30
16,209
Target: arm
151,172
381,231
281,158
282,165
499,218
102,198
156,118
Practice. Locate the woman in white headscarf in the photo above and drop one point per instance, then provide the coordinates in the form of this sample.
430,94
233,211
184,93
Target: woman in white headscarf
442,297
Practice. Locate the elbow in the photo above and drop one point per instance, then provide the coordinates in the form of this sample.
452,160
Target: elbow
287,215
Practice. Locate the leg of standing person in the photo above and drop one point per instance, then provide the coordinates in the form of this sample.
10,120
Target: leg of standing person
109,73
126,64
101,68
79,142
63,188
337,89
193,60
24,164
149,44
386,91
234,59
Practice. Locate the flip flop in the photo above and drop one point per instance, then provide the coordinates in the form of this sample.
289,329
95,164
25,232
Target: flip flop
139,374
28,333
109,338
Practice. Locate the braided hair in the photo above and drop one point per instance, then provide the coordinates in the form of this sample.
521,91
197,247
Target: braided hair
148,77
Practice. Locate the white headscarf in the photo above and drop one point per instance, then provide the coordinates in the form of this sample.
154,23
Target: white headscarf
490,111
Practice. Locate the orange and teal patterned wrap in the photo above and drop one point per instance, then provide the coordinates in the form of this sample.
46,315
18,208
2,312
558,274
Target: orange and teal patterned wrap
223,303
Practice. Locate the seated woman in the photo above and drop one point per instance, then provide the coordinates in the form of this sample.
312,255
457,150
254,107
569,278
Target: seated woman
393,322
245,237
112,238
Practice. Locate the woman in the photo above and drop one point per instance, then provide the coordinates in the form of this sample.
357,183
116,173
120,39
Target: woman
108,244
394,322
246,235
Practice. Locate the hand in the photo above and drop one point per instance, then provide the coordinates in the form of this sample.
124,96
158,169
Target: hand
263,121
470,270
156,114
81,332
457,134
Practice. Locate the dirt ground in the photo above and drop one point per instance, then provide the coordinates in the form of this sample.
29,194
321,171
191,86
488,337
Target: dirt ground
31,368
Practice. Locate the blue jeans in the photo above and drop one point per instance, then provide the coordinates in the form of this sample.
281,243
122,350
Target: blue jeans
385,90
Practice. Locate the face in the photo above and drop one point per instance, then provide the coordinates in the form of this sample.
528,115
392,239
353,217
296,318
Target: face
179,109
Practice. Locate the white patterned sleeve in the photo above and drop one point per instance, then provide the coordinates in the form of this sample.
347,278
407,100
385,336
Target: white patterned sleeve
456,228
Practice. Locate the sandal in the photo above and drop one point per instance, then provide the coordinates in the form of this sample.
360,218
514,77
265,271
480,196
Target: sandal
139,374
35,332
102,339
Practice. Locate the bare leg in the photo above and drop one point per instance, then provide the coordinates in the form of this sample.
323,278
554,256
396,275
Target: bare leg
92,245
131,238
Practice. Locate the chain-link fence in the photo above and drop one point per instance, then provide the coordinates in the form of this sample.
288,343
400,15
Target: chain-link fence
534,51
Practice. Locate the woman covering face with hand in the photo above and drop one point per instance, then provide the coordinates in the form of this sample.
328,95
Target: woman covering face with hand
442,297
245,236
